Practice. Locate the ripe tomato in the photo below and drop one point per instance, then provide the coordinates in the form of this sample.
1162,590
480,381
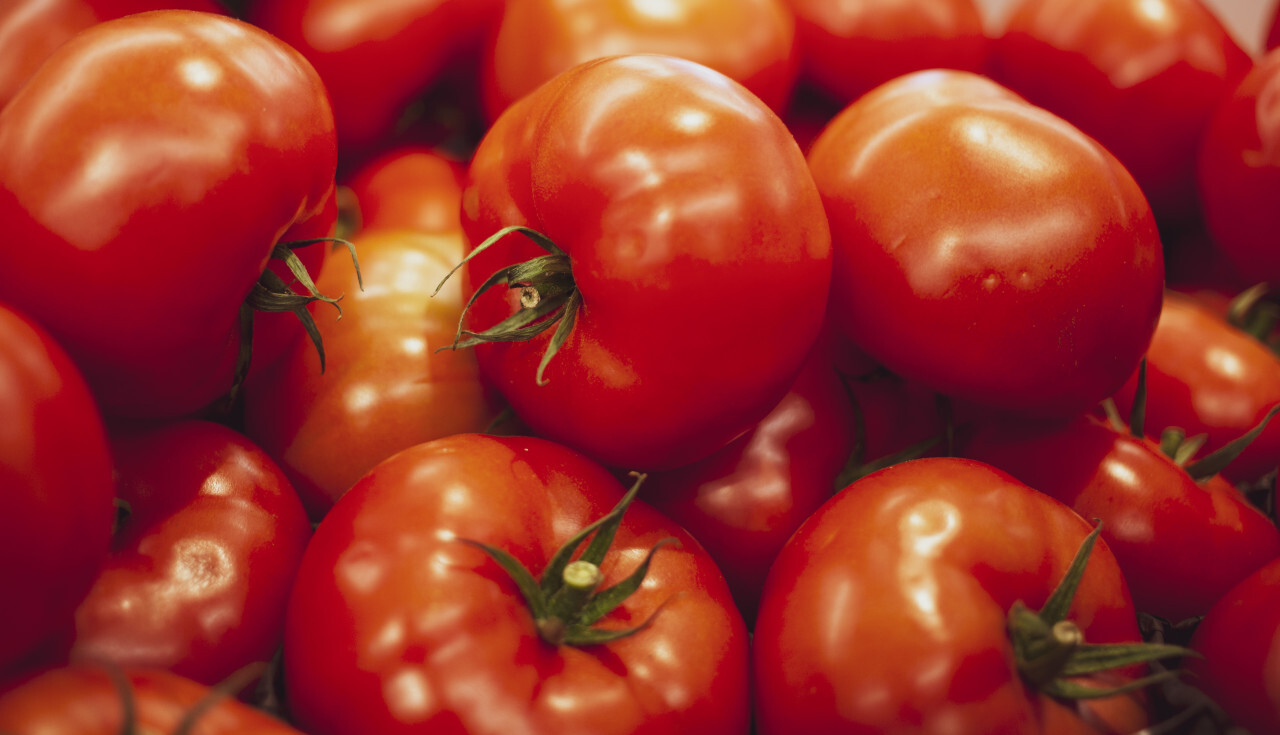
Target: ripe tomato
377,56
386,386
1181,544
985,247
152,163
200,569
743,502
1206,376
410,187
888,610
1239,172
56,504
31,29
847,48
751,41
1140,76
1239,658
86,700
396,625
698,250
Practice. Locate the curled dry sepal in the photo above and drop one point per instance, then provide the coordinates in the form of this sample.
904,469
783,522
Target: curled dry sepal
1051,652
566,601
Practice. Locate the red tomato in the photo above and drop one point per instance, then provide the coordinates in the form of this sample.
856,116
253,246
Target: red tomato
1239,172
847,48
398,626
743,502
56,506
386,387
1239,657
1181,544
201,567
412,188
31,29
887,610
84,700
1140,76
986,248
698,249
750,41
1206,376
151,164
377,56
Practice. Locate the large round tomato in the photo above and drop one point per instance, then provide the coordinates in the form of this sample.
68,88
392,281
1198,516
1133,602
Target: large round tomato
201,565
56,502
888,610
698,249
1140,76
1239,172
148,168
385,387
985,247
398,623
751,41
31,29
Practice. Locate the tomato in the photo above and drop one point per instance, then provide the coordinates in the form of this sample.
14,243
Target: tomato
150,166
410,187
1140,76
1181,544
984,247
396,625
1206,376
377,56
751,41
1238,656
888,610
55,468
744,501
698,250
849,48
1239,172
85,700
31,29
201,566
386,387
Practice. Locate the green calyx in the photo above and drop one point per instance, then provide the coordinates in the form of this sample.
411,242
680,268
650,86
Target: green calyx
1051,651
548,297
567,602
225,689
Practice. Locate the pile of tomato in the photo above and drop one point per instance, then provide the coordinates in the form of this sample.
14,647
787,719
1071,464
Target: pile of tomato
645,366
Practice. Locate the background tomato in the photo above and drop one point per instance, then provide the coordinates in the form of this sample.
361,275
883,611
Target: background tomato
411,187
985,247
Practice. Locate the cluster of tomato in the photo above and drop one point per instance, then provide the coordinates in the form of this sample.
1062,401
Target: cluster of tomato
661,366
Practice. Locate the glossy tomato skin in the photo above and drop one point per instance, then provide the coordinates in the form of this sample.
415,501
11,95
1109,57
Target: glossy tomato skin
886,612
56,508
1181,544
396,626
31,29
1236,641
985,247
385,386
743,502
1206,376
410,187
849,48
199,572
1140,76
1239,172
377,56
152,163
83,700
751,41
697,241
